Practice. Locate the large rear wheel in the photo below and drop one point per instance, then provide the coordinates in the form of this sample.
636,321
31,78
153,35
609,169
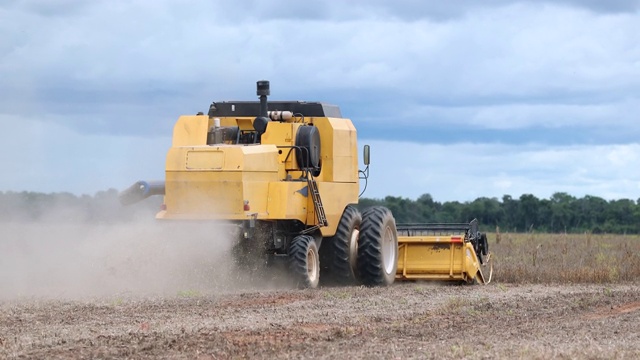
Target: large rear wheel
338,253
304,261
377,247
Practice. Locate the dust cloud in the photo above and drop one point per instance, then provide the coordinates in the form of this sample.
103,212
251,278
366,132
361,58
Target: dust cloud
58,259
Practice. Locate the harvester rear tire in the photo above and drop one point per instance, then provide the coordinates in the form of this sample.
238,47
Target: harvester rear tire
304,262
377,247
338,254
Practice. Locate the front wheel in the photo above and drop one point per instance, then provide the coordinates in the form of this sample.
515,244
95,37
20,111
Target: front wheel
377,247
304,261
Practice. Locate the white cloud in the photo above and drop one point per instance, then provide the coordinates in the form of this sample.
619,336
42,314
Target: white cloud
465,171
511,65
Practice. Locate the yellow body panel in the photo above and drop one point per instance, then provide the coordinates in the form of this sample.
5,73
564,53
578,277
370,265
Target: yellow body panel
437,258
213,181
339,150
296,205
191,130
335,197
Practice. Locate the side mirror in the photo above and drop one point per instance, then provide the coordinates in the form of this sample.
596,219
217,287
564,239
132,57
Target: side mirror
367,154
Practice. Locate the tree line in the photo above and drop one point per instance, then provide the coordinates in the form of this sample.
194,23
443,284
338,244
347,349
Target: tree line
560,213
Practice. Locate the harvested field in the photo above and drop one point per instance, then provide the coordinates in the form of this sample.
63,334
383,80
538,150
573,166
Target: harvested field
147,292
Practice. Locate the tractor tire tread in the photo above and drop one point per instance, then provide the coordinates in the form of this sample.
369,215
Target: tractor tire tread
371,267
298,260
336,252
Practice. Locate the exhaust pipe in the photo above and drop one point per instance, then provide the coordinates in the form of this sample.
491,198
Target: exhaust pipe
261,121
140,190
262,90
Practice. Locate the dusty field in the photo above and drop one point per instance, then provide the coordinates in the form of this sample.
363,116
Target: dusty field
404,321
136,292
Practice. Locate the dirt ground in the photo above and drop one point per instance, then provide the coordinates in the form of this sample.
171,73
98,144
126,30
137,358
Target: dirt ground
106,292
409,320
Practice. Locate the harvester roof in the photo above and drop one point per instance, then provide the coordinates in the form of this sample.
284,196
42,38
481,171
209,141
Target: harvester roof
252,108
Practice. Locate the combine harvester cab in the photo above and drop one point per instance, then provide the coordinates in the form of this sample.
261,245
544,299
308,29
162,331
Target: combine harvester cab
444,252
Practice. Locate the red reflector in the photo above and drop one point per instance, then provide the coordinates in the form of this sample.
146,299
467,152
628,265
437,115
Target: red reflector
246,205
163,207
456,239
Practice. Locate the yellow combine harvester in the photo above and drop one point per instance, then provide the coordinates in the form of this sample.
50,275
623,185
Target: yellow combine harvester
285,176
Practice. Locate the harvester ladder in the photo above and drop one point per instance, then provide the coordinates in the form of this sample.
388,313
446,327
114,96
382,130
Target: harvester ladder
317,202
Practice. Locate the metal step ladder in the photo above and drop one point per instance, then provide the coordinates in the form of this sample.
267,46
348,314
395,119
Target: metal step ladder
317,202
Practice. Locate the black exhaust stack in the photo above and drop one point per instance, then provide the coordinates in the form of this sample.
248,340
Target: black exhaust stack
263,92
260,122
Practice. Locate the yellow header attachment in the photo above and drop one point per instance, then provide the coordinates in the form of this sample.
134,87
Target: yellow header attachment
444,252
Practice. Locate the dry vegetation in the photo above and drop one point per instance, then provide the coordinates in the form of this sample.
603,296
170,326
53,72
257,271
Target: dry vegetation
566,258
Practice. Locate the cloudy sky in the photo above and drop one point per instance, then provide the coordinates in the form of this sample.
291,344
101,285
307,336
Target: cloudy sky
459,99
